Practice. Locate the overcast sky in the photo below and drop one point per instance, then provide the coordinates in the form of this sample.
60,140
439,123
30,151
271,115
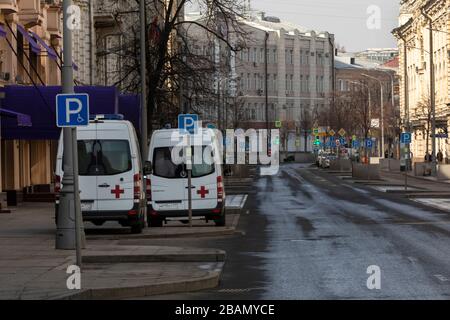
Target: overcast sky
347,19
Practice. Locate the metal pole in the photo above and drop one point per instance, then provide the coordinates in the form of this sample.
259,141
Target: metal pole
432,94
189,172
144,129
382,120
433,103
70,233
266,85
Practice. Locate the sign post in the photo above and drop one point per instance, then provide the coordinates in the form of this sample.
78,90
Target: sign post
188,123
72,111
405,141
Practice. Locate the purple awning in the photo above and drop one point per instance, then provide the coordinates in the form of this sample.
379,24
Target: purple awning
51,53
2,32
23,120
34,46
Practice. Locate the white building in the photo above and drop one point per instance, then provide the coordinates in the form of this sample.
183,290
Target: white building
299,76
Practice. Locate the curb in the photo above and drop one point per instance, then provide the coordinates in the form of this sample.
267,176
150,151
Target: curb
207,282
159,236
219,256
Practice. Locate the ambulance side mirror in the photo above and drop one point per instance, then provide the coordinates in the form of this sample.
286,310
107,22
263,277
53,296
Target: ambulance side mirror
148,168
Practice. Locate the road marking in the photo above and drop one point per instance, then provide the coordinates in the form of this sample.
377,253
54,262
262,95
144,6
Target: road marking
437,203
442,278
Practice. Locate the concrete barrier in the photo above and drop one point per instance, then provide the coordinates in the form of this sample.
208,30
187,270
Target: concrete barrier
443,172
422,169
341,165
304,157
366,172
394,165
384,164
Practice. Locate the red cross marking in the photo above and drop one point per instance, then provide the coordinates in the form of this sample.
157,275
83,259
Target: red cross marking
202,192
117,191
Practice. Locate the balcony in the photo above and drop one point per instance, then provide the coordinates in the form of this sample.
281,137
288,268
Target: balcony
8,6
31,12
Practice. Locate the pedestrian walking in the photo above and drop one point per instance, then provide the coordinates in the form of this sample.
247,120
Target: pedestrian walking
440,156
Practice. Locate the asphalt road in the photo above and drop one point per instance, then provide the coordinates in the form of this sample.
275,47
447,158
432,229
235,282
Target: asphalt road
307,234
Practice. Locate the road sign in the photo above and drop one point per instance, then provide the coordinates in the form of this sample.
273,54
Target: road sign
211,126
406,138
332,133
355,144
375,123
278,124
342,132
316,131
369,143
188,122
338,143
72,110
342,140
354,137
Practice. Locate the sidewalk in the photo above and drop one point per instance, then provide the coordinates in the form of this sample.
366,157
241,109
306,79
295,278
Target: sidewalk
429,184
31,268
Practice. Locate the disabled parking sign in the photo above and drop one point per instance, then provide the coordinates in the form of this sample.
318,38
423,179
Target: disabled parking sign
72,110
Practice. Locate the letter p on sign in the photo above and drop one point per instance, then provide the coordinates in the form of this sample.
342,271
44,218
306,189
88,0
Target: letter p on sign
72,110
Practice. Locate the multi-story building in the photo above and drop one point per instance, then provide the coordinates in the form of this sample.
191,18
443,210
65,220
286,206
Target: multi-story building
30,48
357,74
299,76
423,34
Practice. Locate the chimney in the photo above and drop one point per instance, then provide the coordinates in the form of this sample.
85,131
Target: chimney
352,60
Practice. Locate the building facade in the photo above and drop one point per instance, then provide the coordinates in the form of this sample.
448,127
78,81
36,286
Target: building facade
358,75
418,43
299,77
30,49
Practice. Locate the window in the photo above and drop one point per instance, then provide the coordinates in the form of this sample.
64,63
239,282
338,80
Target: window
307,84
163,166
306,57
275,83
256,81
301,57
103,157
249,83
255,55
275,56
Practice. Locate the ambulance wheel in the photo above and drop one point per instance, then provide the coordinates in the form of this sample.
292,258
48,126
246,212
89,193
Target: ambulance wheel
221,222
155,222
136,228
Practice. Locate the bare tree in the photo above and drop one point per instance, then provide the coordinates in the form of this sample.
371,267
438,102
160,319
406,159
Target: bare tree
178,71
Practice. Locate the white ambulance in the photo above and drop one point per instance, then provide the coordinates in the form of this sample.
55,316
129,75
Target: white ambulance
167,184
110,173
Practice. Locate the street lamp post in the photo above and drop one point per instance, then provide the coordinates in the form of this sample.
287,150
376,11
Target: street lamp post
432,94
143,71
382,111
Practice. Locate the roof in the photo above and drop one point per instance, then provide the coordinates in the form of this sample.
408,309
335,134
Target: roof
343,61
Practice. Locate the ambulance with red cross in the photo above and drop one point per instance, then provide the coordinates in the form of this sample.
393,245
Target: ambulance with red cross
167,179
110,173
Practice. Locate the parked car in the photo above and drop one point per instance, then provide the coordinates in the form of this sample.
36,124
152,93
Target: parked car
167,182
110,173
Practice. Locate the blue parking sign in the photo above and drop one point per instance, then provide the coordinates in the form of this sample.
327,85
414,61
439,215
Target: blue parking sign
188,122
406,138
355,144
72,110
369,143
